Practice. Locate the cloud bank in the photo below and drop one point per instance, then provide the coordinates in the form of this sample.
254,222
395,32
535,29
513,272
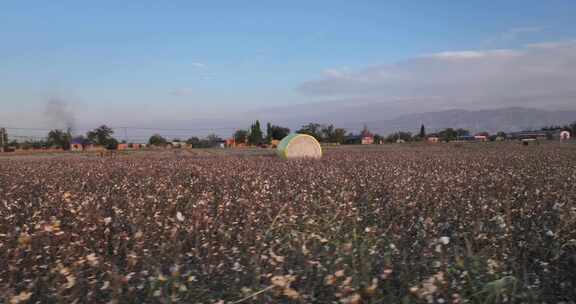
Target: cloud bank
537,75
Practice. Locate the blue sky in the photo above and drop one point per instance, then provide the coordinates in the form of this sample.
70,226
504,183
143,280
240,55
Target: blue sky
164,62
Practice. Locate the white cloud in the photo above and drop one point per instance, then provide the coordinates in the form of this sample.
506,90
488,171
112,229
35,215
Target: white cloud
553,45
491,76
198,65
512,35
475,54
336,72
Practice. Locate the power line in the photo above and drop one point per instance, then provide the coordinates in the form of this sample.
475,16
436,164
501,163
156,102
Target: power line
126,129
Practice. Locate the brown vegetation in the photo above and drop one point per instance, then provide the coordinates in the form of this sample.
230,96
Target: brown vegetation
426,224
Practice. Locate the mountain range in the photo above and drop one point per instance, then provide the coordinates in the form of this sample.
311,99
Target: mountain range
491,120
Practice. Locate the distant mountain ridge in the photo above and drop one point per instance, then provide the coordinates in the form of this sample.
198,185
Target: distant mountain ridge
493,120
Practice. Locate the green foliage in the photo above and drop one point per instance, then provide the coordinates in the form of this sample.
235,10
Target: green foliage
102,136
268,133
255,137
312,129
37,144
422,134
452,134
213,138
324,133
332,135
211,141
462,132
339,136
448,134
157,140
59,139
277,132
497,290
14,144
241,136
193,141
405,136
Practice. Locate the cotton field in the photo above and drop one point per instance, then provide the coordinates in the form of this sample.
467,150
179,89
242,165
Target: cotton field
417,224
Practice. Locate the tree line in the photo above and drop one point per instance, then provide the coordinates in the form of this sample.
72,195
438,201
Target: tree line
255,136
63,139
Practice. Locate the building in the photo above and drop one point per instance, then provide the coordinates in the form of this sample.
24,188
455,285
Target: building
77,145
177,144
230,143
94,148
367,138
129,146
466,138
481,138
535,135
433,138
220,144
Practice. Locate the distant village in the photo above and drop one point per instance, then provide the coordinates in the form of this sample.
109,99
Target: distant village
102,138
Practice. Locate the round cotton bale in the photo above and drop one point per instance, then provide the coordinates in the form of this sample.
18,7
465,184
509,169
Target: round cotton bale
299,146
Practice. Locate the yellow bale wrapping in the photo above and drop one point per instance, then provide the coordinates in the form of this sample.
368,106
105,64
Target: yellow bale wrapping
299,146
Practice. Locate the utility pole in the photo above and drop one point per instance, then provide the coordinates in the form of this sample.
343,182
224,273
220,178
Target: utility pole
126,134
2,137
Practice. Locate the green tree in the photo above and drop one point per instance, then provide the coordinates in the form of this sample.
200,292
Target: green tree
241,136
278,132
102,136
213,138
312,129
448,134
463,132
422,134
59,139
268,133
157,140
38,144
14,144
378,139
211,141
339,136
255,137
327,133
405,136
193,141
111,144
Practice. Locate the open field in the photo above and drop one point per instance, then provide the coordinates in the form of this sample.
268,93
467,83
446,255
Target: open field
479,223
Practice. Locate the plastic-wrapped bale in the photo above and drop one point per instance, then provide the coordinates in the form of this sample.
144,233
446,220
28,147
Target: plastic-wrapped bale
299,146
